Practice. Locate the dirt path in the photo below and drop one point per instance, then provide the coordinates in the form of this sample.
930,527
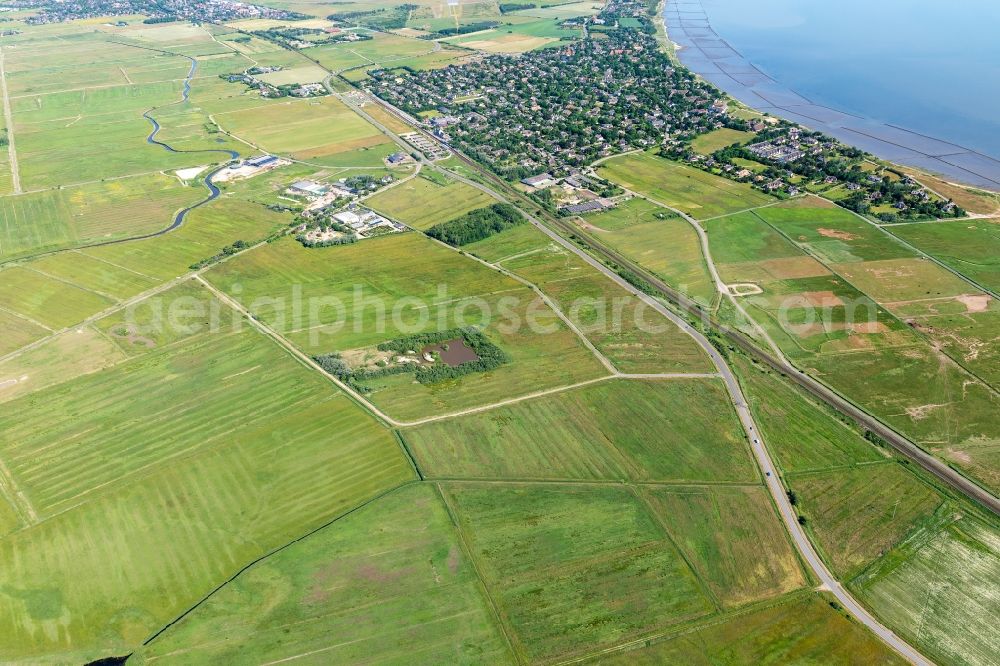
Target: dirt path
15,174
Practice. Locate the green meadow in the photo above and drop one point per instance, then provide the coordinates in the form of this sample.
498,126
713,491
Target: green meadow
422,202
601,431
229,430
390,582
699,194
660,242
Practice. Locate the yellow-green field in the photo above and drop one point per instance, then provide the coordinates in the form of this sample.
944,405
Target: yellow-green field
309,129
610,430
422,202
155,454
86,214
699,194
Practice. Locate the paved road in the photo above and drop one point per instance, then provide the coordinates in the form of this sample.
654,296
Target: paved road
15,174
774,485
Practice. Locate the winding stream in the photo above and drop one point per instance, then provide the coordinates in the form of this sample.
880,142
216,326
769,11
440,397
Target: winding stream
213,190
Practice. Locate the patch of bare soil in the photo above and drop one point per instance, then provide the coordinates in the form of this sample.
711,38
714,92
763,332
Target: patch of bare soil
869,327
837,233
822,299
130,335
921,412
974,302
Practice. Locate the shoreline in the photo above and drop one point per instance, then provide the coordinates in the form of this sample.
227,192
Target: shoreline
693,43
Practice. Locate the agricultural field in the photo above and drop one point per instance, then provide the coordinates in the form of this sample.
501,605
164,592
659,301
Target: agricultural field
223,442
601,431
204,233
58,359
16,332
858,514
425,201
356,296
916,558
78,99
390,582
180,483
804,629
971,247
518,33
708,143
802,435
936,589
562,10
384,49
733,539
47,301
701,195
590,567
309,129
517,241
660,242
93,213
633,336
303,74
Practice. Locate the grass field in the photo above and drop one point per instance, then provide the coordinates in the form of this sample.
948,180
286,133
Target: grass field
421,202
805,629
310,129
303,74
801,434
708,143
45,300
389,583
858,514
832,234
699,194
204,233
384,49
733,539
937,590
971,247
631,335
517,35
601,431
92,274
508,244
383,270
658,241
55,219
16,331
574,569
359,295
215,440
60,359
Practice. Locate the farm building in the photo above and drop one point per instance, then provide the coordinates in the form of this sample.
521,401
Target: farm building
539,181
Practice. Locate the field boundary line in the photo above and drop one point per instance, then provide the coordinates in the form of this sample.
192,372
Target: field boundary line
669,537
15,174
474,561
29,267
19,315
927,342
16,497
275,551
111,263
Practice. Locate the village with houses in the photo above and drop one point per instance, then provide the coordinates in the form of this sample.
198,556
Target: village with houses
555,109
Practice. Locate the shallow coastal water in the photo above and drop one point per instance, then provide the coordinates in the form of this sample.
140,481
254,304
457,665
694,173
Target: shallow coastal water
869,69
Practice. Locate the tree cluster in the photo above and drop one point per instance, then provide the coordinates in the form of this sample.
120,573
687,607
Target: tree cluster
477,225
